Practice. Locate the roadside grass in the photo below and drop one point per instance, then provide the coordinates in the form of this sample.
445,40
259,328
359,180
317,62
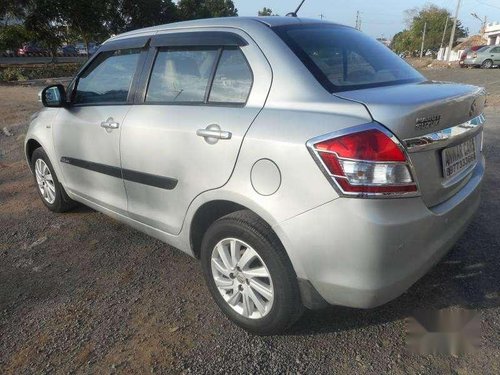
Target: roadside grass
39,71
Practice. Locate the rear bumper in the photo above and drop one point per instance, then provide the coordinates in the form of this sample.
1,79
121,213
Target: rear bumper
470,62
363,253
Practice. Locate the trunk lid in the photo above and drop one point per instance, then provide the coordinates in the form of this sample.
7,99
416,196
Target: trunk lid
430,109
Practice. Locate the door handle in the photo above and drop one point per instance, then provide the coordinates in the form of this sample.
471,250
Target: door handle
110,124
213,133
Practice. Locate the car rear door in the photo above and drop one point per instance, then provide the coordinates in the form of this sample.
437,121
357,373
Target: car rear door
201,91
87,132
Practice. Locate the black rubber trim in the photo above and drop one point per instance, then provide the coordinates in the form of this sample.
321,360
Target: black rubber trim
161,182
126,43
198,38
310,296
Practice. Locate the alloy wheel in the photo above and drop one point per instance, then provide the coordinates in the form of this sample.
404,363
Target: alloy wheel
45,181
242,278
487,64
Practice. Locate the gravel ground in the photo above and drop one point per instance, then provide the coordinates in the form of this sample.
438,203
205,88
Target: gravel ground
82,293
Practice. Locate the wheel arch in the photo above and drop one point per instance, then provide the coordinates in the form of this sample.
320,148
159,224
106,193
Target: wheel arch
210,211
30,147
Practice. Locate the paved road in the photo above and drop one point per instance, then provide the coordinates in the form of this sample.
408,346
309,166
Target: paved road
38,60
82,293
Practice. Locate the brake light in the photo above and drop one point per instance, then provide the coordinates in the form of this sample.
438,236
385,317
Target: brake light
474,56
366,162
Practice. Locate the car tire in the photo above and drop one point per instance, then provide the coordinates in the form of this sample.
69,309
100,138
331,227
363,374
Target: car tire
49,188
487,64
264,315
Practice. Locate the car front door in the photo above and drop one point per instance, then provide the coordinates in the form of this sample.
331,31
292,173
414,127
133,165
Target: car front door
87,132
200,95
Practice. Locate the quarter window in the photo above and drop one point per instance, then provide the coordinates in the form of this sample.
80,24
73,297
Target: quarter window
108,78
181,75
233,78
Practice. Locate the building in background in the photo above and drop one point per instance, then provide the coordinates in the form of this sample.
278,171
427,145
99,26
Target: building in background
492,33
384,41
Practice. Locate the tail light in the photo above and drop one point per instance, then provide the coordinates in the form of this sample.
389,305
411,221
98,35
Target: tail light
474,55
365,162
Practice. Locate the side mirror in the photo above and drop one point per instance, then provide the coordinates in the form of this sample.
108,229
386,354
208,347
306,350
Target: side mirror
54,96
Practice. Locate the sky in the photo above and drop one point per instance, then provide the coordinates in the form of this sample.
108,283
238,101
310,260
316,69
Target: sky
379,18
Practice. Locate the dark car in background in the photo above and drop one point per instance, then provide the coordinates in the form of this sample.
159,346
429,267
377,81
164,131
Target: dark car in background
68,50
32,49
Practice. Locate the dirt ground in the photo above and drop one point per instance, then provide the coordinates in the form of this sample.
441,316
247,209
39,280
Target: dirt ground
82,293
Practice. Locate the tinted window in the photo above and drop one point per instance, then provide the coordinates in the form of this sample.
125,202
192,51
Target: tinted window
233,78
181,75
495,50
108,78
342,58
482,49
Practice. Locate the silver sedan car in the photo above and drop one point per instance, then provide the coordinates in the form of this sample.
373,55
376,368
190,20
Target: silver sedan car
486,57
301,161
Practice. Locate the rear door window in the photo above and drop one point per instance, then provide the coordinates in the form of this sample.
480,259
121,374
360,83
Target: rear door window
181,75
108,78
233,78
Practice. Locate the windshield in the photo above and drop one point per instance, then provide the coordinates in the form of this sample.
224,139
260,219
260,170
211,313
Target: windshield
342,58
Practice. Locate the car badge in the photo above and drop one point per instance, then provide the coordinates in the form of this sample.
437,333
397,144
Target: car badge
428,122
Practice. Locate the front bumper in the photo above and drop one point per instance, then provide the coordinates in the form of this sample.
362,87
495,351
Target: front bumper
364,253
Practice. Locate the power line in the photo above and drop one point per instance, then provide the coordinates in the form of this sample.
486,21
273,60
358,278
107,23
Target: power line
487,4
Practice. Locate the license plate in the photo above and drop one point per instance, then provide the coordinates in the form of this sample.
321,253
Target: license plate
458,158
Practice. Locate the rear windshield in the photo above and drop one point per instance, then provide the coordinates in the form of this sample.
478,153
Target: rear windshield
342,58
482,49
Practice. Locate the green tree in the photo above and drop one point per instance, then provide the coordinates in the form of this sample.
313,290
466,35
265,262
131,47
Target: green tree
266,12
410,39
196,9
12,9
124,15
44,20
85,18
220,8
13,36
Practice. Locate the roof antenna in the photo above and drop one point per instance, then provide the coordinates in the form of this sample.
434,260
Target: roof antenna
294,14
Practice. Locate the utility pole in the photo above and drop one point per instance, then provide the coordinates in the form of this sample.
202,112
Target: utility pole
423,40
452,36
444,32
321,16
358,20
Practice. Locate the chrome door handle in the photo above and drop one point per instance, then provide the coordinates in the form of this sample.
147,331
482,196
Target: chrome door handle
110,124
213,133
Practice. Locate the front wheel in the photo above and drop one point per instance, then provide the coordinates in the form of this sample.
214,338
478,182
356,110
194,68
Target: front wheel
249,274
50,190
487,64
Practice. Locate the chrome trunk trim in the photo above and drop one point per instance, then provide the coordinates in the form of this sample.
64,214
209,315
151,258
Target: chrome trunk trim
445,137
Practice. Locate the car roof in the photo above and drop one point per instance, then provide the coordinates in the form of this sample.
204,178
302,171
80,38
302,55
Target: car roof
237,22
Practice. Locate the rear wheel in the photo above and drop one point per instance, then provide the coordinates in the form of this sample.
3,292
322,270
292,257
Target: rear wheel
50,190
487,64
249,274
